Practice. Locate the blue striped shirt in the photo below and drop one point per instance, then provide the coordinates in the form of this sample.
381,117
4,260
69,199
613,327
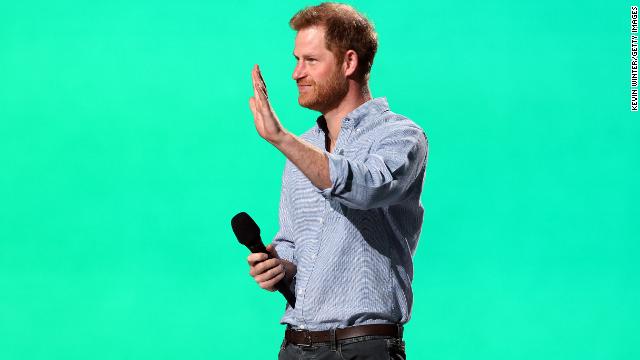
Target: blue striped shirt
353,243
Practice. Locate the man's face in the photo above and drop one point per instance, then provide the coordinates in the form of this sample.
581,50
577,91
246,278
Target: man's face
321,81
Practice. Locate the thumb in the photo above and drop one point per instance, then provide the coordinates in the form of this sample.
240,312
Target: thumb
272,250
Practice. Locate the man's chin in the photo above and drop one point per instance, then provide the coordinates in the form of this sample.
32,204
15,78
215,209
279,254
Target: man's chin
307,103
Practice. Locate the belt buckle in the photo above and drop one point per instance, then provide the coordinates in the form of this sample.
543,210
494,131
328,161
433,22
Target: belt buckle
307,339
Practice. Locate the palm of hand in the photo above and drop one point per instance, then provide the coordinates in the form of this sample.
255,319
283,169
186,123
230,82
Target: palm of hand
264,117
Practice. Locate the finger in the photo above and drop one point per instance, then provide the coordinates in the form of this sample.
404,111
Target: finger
272,250
253,259
256,91
269,275
262,82
260,85
257,115
252,105
270,285
259,267
263,93
265,266
258,257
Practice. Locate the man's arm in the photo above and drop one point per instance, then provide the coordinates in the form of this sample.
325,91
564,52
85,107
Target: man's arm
313,163
380,180
385,176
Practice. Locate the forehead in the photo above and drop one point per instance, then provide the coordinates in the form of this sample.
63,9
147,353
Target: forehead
310,40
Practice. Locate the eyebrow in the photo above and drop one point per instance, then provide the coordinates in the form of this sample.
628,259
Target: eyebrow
306,56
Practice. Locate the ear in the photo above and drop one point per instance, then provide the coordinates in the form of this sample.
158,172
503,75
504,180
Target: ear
350,63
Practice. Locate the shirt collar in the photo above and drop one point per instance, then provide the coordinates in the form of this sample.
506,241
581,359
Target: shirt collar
372,107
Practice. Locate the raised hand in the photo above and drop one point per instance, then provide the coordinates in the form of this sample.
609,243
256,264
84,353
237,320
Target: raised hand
264,118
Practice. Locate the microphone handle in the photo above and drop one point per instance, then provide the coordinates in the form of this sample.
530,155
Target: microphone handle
258,248
281,286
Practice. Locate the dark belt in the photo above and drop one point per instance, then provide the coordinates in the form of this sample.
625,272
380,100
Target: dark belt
306,337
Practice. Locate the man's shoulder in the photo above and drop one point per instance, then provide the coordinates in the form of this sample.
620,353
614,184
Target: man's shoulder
393,124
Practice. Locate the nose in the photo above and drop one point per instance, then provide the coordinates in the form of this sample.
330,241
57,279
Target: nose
299,72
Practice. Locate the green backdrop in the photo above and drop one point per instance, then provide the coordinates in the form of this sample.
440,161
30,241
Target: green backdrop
127,144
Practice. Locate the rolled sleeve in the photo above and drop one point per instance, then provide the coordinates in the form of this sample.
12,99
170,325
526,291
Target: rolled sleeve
382,178
337,170
285,248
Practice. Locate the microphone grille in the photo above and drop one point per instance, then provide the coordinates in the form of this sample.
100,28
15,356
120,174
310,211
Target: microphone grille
246,230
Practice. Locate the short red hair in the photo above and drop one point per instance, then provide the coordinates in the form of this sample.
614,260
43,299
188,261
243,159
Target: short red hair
345,29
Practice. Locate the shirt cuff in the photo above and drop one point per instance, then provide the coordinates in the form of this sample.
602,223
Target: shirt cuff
337,169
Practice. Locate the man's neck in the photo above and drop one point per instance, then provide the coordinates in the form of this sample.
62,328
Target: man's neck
351,101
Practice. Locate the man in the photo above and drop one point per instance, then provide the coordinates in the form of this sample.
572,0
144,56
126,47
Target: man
350,210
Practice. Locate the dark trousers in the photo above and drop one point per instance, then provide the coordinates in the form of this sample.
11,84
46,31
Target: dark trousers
358,348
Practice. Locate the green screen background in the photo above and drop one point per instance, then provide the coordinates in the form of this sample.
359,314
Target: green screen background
127,144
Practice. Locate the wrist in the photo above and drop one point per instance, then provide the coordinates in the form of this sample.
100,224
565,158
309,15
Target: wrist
282,139
289,270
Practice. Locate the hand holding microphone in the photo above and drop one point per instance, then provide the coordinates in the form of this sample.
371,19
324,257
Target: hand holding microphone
265,266
266,269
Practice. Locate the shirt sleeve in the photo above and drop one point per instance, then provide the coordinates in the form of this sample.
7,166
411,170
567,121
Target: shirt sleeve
385,174
283,240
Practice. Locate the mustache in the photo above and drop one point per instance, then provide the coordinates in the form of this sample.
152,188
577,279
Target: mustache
305,83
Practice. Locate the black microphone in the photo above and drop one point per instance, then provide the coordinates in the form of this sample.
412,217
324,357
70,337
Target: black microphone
248,234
